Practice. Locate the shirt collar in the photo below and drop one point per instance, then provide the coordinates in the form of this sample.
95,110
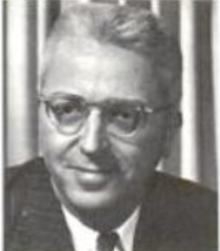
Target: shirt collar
126,231
81,232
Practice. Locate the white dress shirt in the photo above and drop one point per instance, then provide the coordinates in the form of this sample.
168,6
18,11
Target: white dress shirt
85,238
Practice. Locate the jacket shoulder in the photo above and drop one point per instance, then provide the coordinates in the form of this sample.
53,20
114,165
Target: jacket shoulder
191,199
184,187
183,214
17,179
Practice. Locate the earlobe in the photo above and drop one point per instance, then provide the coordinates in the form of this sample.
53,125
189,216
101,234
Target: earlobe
175,122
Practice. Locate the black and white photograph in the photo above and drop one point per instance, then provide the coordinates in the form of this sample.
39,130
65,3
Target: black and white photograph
111,125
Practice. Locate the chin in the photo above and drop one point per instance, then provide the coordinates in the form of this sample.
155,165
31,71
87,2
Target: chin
92,202
101,214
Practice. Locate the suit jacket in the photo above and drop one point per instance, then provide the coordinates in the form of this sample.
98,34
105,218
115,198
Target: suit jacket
176,215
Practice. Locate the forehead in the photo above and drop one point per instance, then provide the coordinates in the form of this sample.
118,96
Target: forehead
101,72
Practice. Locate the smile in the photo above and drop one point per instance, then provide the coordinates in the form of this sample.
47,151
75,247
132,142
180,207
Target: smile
103,171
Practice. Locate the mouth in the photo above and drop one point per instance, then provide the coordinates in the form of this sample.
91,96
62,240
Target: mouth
101,171
94,178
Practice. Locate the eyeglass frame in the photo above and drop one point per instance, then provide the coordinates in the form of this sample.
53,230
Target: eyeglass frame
140,106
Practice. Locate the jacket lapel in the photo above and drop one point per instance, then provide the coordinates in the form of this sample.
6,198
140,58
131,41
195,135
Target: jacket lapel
145,234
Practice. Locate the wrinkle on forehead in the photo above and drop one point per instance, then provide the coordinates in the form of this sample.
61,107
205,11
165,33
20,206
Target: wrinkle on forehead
90,60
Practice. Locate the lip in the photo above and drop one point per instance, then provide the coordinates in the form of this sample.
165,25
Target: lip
103,171
93,178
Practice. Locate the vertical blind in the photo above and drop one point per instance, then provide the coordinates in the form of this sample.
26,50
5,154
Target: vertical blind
194,152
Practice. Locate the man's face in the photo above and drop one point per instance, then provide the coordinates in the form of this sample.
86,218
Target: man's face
93,169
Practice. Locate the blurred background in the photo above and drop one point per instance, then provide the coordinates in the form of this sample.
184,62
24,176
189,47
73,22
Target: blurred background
194,154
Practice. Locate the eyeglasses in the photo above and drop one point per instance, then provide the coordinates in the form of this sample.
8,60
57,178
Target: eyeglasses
122,118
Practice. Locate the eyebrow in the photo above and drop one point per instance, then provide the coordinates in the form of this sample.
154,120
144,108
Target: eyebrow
113,99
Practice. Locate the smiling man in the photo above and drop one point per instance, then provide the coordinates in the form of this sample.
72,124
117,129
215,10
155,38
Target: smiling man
108,112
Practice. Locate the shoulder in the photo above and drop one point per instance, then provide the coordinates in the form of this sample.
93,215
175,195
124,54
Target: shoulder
17,183
186,195
184,213
12,174
184,188
18,178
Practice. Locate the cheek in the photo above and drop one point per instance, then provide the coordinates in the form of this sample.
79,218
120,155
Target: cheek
52,143
140,158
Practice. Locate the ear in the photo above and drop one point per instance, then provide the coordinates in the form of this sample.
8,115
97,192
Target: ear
173,126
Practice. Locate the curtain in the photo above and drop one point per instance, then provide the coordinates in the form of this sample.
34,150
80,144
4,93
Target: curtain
194,152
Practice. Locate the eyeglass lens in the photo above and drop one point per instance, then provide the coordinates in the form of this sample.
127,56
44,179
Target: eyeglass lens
70,114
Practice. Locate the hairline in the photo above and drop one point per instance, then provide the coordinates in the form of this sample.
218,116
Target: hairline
56,39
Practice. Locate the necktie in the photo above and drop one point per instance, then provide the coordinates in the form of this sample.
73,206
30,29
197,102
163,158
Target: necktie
107,241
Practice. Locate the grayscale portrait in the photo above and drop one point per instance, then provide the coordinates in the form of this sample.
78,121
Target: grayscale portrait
110,125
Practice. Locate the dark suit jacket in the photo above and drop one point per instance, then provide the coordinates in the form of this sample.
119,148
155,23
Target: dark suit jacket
176,215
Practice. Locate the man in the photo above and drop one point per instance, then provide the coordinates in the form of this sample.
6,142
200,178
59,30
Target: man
108,111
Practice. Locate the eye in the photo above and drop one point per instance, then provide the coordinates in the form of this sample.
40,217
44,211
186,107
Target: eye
124,118
67,110
123,114
64,107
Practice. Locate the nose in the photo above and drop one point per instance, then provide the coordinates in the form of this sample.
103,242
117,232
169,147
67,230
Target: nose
93,138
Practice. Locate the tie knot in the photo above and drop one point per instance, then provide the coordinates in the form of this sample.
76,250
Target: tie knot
107,241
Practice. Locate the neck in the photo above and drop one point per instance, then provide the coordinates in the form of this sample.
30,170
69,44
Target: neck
103,220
